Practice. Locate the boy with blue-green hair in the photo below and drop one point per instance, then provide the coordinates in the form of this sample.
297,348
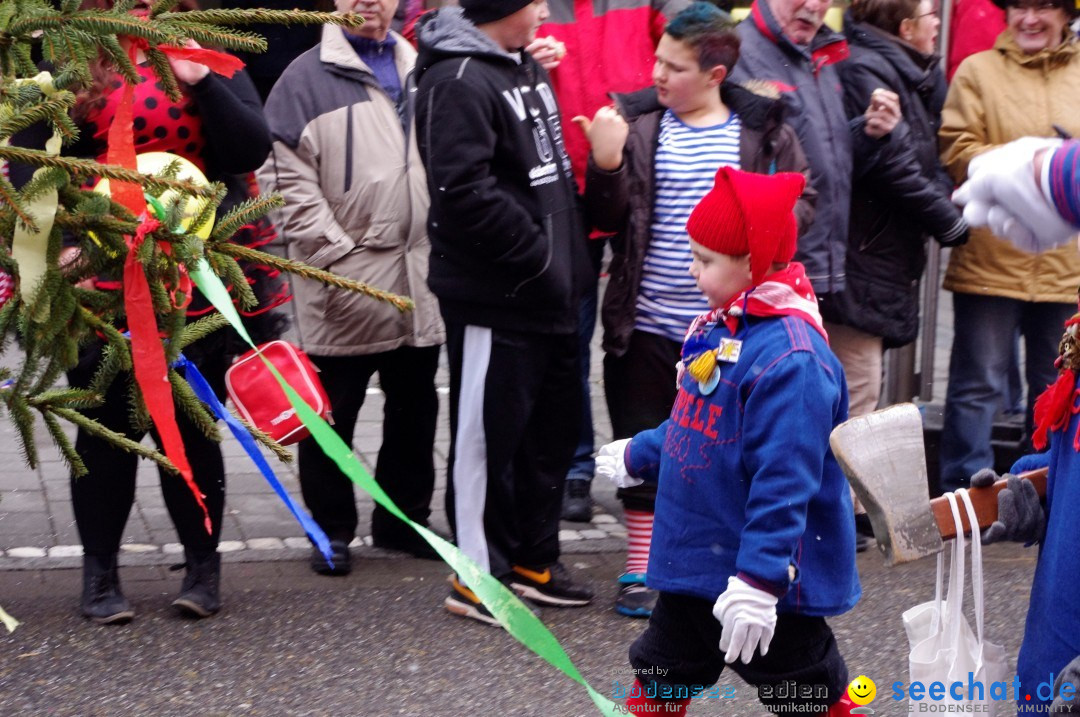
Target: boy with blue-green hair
654,155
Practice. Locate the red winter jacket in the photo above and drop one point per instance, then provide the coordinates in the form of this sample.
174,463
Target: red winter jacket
976,24
610,46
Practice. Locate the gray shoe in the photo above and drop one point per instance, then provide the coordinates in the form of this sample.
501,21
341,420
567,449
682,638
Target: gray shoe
577,503
102,600
635,599
200,593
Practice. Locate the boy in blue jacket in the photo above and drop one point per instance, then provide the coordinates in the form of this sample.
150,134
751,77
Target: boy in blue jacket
753,544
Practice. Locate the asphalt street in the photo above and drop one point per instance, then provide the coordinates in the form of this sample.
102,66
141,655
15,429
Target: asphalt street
378,643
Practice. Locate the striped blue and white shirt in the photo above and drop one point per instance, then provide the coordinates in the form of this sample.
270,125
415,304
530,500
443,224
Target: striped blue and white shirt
687,159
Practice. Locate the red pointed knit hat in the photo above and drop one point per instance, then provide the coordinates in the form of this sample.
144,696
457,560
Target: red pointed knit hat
748,213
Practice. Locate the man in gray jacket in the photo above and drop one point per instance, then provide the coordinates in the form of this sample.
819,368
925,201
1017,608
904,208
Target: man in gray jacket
786,44
356,203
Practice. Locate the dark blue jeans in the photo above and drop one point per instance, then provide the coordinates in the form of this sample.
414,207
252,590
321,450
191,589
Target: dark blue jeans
584,464
984,338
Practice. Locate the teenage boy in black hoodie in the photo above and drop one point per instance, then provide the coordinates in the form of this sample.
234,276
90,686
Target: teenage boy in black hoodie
508,261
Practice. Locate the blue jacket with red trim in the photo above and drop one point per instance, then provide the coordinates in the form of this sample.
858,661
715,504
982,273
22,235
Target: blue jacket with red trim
810,86
747,482
1052,631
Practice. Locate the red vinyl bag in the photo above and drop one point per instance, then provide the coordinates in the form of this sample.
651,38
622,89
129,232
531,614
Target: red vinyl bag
259,399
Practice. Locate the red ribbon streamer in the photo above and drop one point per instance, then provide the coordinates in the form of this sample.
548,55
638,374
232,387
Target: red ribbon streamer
219,62
147,353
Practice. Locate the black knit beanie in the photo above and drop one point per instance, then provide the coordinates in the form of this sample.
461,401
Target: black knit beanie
480,11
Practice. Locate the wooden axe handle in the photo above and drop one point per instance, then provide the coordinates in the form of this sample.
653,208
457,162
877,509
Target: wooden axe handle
985,502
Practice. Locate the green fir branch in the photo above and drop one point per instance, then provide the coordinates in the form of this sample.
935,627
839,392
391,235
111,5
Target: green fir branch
138,413
208,210
401,303
24,60
52,108
114,340
162,6
67,450
110,366
237,282
83,223
23,419
192,407
65,44
208,35
200,329
119,440
110,45
174,324
245,213
43,181
112,172
10,197
159,63
75,398
8,313
260,16
280,452
100,23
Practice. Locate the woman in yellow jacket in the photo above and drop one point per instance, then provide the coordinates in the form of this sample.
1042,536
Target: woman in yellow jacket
1027,85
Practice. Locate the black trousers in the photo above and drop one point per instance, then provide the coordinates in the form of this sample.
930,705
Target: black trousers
102,498
639,388
405,468
514,424
683,641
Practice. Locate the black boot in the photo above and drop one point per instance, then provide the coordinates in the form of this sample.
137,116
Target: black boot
200,593
102,600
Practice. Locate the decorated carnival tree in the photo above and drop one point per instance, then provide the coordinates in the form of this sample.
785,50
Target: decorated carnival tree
156,231
48,310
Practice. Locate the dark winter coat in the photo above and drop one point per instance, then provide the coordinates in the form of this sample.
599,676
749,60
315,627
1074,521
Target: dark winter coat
810,86
901,198
507,237
622,201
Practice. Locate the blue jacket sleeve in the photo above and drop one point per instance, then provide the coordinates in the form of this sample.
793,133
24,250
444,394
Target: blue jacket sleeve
1030,462
643,453
789,414
1062,185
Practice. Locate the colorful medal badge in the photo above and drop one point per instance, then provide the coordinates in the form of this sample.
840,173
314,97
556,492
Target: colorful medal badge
703,362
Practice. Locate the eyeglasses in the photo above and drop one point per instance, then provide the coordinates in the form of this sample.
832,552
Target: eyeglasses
932,13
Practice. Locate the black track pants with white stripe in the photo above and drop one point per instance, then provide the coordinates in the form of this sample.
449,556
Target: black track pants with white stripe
514,415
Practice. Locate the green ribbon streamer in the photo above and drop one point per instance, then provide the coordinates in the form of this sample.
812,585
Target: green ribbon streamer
9,622
518,620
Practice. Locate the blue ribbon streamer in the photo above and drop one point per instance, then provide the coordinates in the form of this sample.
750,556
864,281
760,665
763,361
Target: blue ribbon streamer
206,394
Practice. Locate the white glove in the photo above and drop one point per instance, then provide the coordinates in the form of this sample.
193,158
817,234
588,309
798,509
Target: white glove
611,464
1002,193
748,616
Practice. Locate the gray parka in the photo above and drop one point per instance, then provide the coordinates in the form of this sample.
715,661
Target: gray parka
345,160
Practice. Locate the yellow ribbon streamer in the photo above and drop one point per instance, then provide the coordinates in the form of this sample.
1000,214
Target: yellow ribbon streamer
9,622
29,248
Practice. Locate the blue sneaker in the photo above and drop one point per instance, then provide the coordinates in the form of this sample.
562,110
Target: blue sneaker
635,599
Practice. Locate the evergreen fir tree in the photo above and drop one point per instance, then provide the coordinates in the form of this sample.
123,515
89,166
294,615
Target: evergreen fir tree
45,324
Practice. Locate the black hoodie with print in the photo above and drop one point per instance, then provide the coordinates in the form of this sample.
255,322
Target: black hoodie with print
507,238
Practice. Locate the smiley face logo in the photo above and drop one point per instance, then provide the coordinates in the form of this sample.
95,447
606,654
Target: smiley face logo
862,690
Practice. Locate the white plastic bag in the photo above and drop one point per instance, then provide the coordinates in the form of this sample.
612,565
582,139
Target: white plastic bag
943,647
